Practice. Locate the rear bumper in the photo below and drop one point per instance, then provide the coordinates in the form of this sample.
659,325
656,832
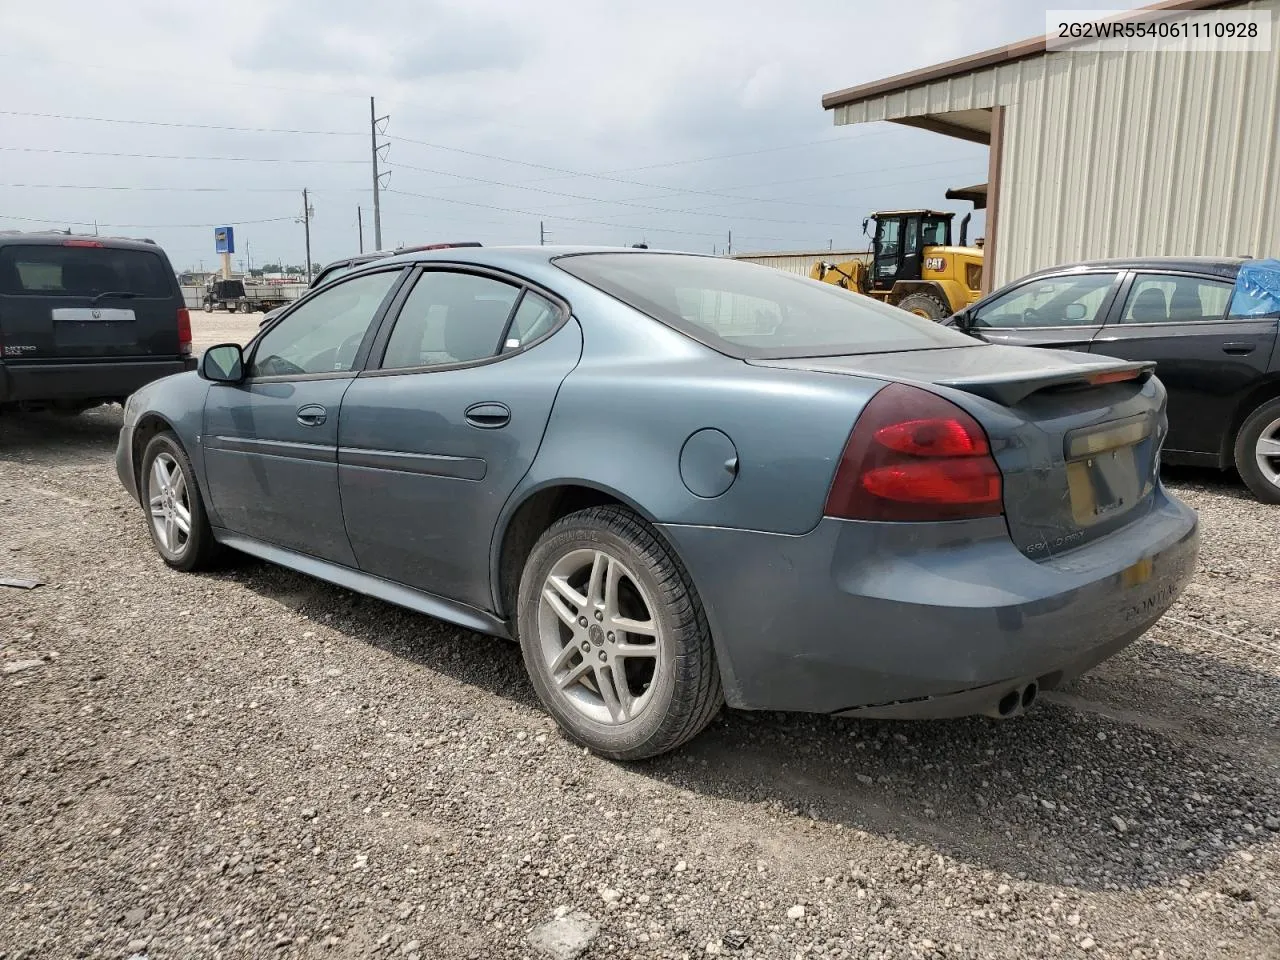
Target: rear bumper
36,382
917,620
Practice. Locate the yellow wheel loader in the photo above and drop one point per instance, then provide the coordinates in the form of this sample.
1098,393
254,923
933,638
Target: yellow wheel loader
913,264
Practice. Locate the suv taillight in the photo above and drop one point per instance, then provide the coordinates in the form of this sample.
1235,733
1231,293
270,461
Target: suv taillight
914,456
184,331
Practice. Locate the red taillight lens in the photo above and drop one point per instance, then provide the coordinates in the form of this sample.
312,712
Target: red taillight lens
914,456
937,437
82,243
184,331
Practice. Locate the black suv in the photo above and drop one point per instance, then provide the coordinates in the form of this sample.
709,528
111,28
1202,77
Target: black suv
1214,344
86,320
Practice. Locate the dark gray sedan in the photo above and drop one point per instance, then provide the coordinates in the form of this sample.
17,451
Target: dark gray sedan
680,480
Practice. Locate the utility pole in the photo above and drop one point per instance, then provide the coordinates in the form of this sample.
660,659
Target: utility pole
360,227
542,234
248,259
729,249
374,120
307,214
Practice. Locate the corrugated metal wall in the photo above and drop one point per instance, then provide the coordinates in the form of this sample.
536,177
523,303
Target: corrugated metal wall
1125,154
800,261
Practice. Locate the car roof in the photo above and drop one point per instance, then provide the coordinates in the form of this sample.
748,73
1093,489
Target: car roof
516,256
1225,267
54,239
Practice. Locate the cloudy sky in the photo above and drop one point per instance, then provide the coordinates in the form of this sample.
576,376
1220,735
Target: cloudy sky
612,122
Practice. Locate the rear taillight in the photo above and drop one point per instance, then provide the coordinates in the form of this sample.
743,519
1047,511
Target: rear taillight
914,456
83,243
184,331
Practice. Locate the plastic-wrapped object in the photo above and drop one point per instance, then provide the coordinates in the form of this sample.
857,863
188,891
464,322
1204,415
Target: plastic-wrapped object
1257,292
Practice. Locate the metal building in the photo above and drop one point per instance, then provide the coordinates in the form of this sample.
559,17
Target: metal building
1106,153
800,261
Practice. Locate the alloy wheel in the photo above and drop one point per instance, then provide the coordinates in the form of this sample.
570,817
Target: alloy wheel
1267,452
170,504
600,640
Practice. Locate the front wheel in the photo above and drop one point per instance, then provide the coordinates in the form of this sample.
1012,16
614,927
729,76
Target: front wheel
208,306
1257,452
614,636
176,518
925,305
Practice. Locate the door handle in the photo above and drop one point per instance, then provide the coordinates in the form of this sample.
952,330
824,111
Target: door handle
488,416
312,415
1239,348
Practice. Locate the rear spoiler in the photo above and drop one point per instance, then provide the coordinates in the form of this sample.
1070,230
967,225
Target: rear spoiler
1013,388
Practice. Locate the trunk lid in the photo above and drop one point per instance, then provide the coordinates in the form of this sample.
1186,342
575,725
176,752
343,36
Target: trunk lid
1076,436
84,299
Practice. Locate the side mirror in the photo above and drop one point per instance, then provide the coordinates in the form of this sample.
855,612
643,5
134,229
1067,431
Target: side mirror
223,363
1074,311
864,227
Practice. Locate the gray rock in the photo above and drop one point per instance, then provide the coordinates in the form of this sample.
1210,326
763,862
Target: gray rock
564,937
17,666
135,917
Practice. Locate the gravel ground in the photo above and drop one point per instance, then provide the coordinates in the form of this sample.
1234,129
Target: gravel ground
255,764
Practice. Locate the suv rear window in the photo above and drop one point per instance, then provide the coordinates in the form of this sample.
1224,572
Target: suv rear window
753,312
58,271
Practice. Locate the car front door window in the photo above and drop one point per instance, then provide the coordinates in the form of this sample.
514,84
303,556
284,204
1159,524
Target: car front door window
1050,302
324,334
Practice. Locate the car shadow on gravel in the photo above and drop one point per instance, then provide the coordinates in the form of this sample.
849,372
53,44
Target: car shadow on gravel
55,436
1081,792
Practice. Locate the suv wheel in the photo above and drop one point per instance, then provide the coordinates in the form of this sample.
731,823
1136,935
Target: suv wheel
614,636
178,524
1257,452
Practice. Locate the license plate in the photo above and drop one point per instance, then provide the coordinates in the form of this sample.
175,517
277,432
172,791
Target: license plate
92,315
1103,484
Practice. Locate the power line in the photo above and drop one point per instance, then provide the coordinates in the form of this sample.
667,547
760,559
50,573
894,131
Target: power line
601,223
186,126
148,226
172,156
622,203
612,179
149,189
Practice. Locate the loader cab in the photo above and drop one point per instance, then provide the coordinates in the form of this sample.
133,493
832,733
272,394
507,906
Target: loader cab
899,240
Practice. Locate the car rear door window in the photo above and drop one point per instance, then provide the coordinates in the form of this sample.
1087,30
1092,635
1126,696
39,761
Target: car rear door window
534,317
323,334
1063,301
1168,298
450,318
44,270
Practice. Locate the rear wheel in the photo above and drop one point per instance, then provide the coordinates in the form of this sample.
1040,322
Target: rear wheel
1257,452
176,518
927,305
614,636
208,306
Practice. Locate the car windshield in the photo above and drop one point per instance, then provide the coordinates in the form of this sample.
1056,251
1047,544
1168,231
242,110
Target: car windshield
754,312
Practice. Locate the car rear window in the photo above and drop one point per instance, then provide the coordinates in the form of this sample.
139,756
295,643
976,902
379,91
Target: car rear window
750,311
72,271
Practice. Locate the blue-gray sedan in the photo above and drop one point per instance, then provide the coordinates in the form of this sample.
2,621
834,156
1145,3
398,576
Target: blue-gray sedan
679,481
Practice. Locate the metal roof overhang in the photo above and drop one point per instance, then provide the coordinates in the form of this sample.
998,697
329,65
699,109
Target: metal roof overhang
964,108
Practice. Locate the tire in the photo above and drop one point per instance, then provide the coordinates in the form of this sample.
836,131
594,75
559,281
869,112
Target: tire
670,677
927,305
1260,472
208,306
197,550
